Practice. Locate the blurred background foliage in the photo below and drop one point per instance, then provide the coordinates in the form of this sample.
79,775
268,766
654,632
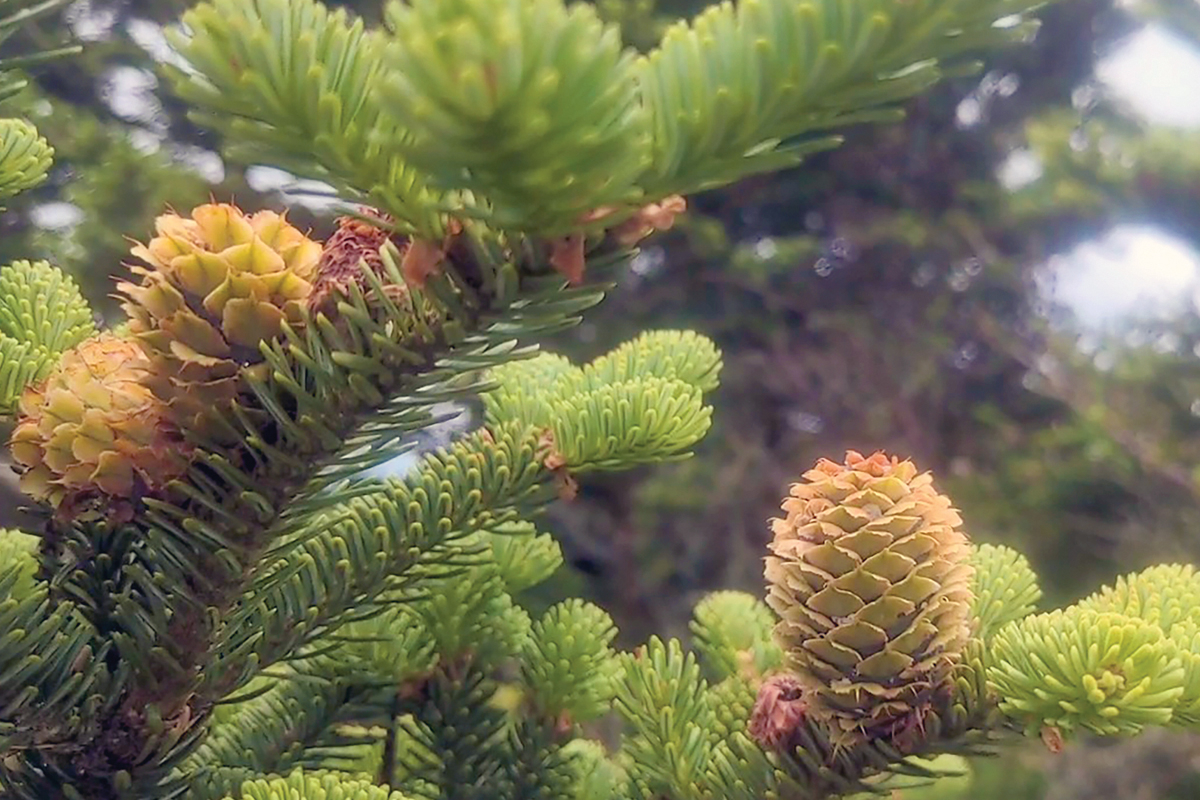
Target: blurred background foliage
1002,287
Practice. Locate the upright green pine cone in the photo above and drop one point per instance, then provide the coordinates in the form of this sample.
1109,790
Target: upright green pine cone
219,283
869,575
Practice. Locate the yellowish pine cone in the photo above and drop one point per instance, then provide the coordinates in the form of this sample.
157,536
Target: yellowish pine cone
93,433
218,284
870,578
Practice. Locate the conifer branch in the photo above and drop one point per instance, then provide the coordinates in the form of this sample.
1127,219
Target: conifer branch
297,84
754,87
217,592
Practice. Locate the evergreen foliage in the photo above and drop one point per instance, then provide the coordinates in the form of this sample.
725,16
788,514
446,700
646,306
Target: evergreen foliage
1004,588
42,315
266,623
26,157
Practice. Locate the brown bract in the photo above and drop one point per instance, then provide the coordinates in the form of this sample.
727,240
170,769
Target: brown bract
654,217
422,258
659,216
547,451
1053,738
554,461
869,575
568,254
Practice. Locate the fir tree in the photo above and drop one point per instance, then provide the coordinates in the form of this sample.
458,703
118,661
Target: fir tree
217,604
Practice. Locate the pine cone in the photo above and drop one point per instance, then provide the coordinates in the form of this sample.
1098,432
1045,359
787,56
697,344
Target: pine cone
871,581
94,432
220,284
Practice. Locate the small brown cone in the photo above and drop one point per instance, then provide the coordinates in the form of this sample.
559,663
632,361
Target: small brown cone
356,242
779,711
870,579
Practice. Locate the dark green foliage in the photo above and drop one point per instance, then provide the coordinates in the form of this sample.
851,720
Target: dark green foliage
461,734
15,15
281,729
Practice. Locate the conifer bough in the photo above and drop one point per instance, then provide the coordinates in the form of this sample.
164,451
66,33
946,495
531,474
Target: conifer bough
219,606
